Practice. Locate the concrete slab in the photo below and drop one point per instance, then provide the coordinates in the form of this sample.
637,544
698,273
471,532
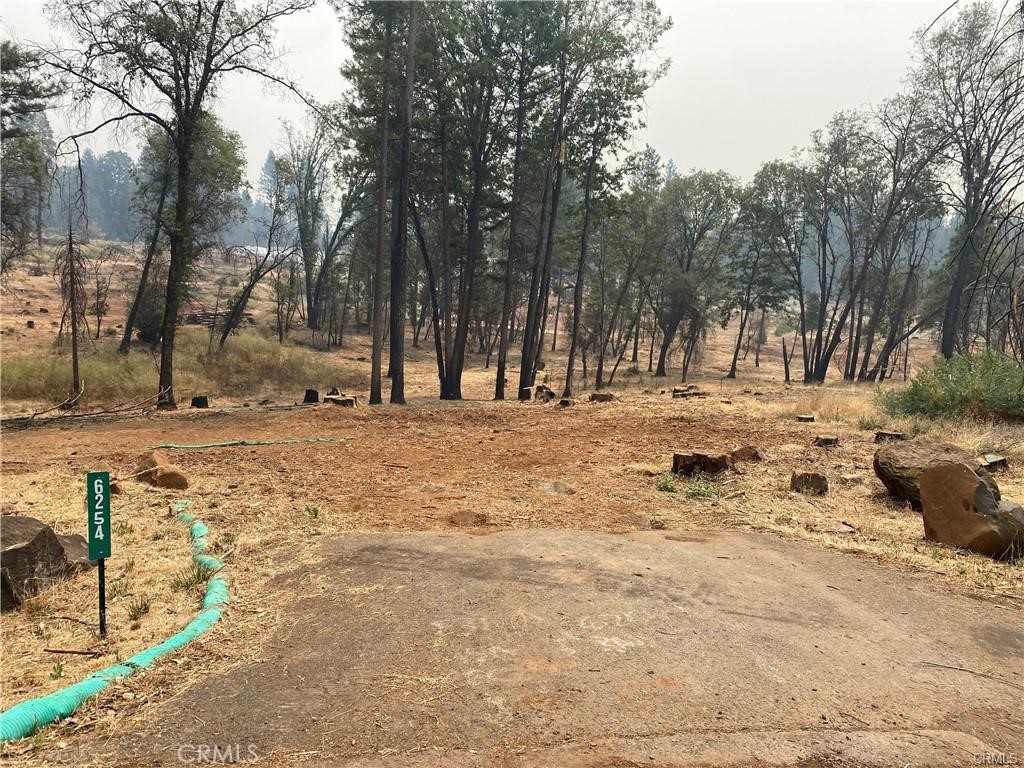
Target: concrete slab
539,647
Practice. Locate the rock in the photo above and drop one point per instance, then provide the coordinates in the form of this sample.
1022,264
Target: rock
811,483
747,453
708,463
601,397
116,489
882,436
44,311
342,400
993,462
851,479
806,418
960,509
826,441
899,466
76,550
311,396
34,559
200,401
657,524
156,469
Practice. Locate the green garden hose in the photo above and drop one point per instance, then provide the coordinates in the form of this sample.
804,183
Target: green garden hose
26,718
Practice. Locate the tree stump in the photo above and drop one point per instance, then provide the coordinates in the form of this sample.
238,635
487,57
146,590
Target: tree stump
826,441
200,401
805,418
812,483
883,436
311,396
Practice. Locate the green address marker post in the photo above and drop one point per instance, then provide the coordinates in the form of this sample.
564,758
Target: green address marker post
97,501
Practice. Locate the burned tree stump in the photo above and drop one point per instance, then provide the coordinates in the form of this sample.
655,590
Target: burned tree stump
200,401
344,401
811,483
805,418
311,396
708,463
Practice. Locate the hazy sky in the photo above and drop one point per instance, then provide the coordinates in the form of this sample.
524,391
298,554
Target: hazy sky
750,79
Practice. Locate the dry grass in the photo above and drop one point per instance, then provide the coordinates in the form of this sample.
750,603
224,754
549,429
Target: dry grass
249,365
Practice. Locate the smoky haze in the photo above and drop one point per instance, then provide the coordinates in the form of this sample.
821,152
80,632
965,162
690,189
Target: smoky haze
749,79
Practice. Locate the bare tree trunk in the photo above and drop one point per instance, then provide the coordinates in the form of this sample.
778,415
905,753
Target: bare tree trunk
377,321
399,221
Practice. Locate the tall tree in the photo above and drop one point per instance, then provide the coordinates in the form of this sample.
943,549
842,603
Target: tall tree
164,62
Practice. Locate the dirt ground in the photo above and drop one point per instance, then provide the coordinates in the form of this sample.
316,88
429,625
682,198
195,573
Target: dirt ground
769,577
477,468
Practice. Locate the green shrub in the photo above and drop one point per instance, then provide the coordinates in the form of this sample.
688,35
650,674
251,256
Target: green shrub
983,385
701,487
667,484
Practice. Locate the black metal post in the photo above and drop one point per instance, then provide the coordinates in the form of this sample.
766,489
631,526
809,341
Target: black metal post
103,598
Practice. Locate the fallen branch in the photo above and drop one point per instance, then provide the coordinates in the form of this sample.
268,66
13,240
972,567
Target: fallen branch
72,651
972,672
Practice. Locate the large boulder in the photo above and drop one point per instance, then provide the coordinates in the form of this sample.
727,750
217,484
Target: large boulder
34,558
156,469
960,509
899,466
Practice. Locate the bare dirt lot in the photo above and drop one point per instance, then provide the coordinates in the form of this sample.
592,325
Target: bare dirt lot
298,524
436,584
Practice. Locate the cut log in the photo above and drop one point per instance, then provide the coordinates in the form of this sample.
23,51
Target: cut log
993,462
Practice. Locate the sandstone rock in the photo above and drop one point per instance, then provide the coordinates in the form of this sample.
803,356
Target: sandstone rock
882,436
747,453
169,477
311,396
708,463
826,441
200,401
601,397
34,558
156,469
899,466
811,483
960,509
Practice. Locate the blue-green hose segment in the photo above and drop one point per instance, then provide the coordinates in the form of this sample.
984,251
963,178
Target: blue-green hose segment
25,718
